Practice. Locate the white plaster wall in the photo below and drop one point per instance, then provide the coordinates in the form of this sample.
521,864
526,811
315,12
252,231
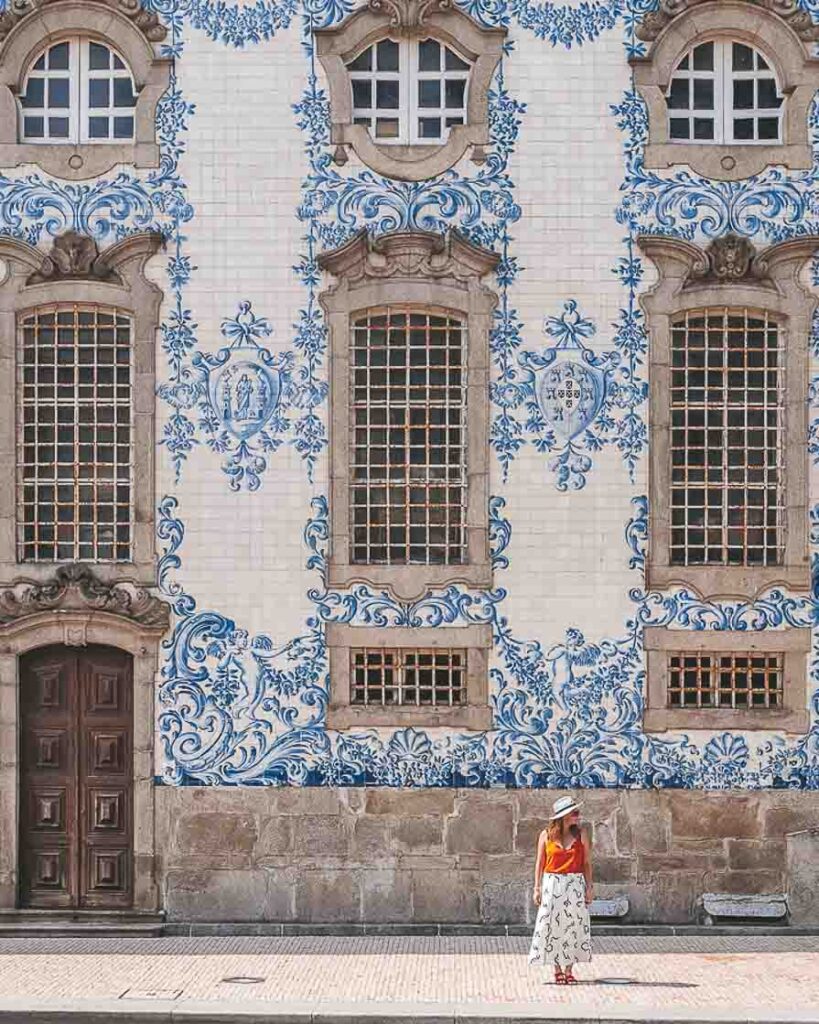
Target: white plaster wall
244,166
569,562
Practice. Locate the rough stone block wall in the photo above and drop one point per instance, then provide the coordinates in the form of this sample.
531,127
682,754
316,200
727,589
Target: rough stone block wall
466,856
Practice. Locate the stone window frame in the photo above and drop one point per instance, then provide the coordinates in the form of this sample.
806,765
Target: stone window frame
793,643
780,34
475,639
29,27
74,608
434,273
409,19
75,272
730,274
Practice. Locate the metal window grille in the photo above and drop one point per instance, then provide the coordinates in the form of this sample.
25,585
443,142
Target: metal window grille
412,678
78,90
726,92
412,91
74,458
742,681
408,463
726,439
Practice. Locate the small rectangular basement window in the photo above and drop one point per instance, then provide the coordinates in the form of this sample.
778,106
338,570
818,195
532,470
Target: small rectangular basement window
409,676
717,680
726,679
406,677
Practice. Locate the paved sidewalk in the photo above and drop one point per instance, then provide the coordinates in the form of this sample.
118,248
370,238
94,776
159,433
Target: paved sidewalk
332,980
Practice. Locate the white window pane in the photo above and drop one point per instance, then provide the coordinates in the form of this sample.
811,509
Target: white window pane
34,95
58,57
98,127
33,127
387,55
429,55
99,92
99,57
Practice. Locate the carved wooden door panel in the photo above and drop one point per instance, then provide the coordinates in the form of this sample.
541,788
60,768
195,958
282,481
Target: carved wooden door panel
75,798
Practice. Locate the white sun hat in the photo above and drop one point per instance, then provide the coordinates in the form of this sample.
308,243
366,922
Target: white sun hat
562,806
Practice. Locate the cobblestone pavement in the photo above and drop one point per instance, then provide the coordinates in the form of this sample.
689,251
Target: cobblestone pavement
643,974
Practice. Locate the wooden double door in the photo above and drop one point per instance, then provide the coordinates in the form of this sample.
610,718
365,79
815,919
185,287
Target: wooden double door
76,801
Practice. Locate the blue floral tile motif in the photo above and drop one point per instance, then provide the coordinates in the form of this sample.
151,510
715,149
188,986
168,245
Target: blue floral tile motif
243,395
243,709
568,394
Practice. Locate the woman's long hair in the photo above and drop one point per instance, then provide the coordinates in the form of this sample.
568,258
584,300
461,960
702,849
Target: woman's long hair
555,831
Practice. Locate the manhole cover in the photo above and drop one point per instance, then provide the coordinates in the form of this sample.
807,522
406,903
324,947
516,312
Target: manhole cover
151,993
242,979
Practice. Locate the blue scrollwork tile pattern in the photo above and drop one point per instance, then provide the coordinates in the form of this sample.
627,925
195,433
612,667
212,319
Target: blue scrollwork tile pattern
236,708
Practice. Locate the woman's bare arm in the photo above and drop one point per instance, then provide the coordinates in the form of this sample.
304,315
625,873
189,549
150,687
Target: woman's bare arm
539,858
585,839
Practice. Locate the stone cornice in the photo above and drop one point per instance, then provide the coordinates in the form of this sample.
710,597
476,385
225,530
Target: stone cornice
75,588
146,21
417,254
731,259
654,22
76,257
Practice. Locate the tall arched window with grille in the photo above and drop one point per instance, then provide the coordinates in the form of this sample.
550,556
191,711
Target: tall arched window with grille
726,437
729,336
77,430
75,463
408,466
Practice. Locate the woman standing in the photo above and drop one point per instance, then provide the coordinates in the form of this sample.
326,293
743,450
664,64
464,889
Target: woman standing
563,892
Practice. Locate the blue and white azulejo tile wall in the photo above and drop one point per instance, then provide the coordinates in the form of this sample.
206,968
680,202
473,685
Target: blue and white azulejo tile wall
247,196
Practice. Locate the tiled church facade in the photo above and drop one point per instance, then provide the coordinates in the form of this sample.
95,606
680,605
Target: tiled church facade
560,226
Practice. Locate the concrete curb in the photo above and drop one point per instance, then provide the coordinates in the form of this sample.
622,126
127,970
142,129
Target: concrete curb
123,1011
201,929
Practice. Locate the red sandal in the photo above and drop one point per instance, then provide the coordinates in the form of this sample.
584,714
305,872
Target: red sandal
560,977
569,978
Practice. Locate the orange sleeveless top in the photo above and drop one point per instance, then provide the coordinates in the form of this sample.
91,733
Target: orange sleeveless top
564,862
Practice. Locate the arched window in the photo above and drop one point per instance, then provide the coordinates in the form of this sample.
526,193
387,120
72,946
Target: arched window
409,86
724,91
410,92
728,363
78,90
78,426
409,494
726,439
727,94
75,464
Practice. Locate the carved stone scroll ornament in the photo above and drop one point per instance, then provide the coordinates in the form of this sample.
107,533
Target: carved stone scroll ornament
72,256
76,588
653,23
146,21
728,258
409,14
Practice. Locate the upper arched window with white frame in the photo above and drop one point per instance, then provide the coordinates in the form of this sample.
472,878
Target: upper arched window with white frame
80,85
728,86
412,91
409,85
78,90
724,91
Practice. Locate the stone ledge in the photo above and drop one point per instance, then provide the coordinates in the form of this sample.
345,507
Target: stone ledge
610,906
724,904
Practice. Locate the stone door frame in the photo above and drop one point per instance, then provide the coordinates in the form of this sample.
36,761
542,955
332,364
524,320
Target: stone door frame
77,628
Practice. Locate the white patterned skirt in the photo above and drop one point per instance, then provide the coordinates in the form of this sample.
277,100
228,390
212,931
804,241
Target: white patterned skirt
562,930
